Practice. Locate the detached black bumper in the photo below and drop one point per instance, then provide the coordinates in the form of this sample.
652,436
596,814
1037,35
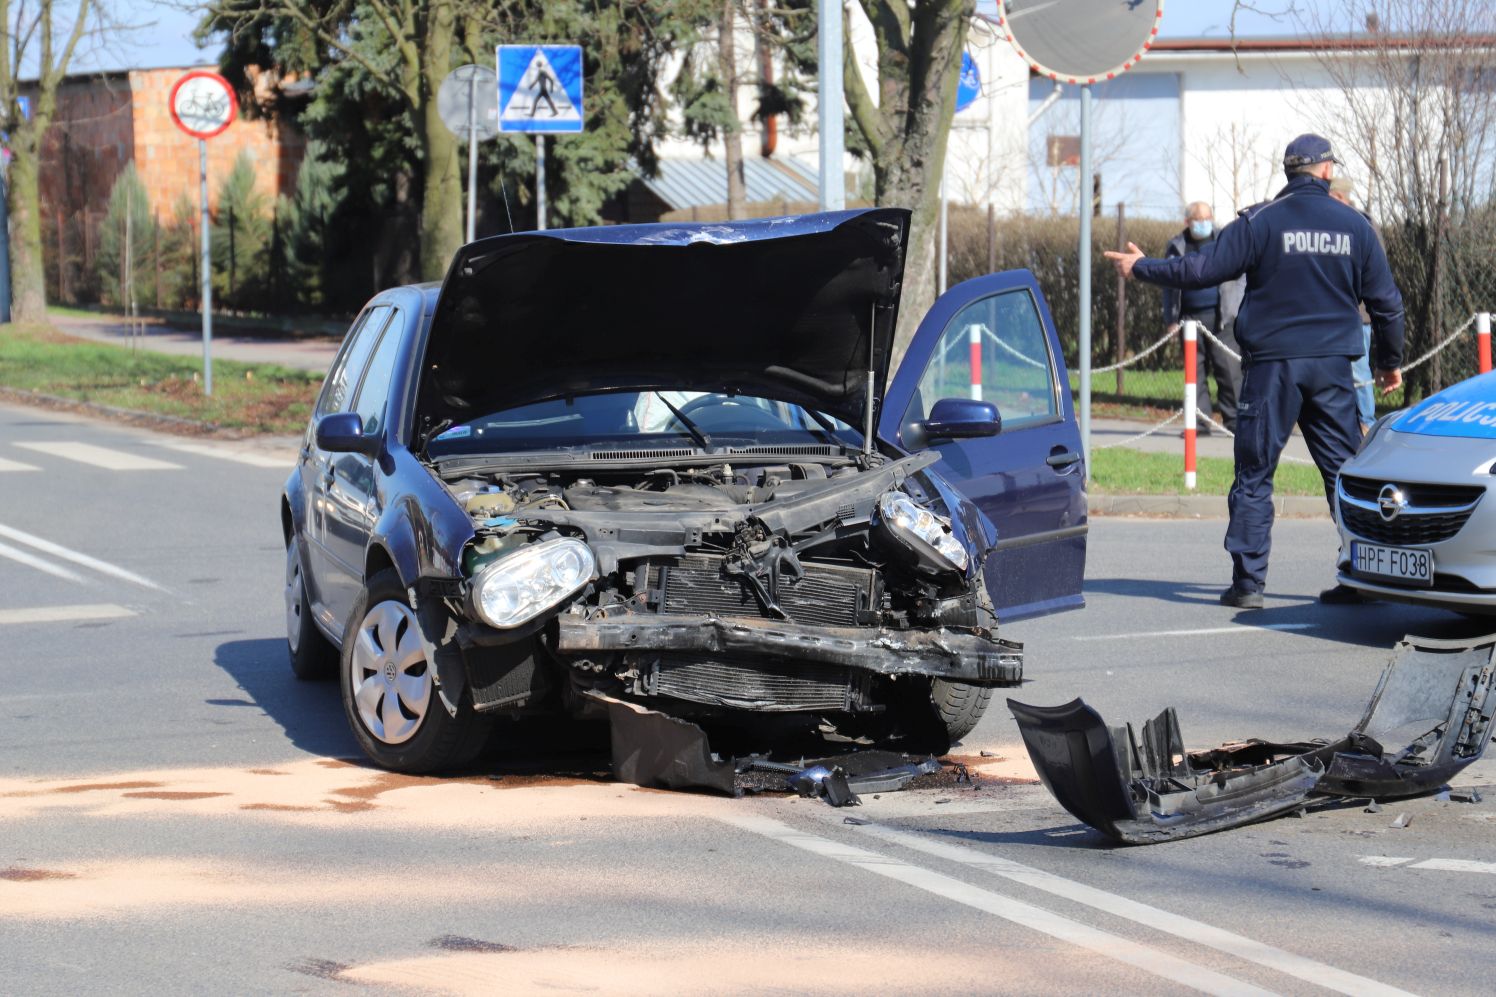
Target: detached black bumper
959,655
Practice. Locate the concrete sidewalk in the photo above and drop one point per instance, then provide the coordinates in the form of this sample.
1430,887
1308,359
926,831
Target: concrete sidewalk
1170,439
302,353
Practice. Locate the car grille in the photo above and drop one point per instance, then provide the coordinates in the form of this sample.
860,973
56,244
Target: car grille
1435,512
1367,489
828,595
764,685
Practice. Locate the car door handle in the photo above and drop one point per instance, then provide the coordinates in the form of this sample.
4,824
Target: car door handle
1062,459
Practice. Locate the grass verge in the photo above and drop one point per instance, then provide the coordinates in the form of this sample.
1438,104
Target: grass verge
1120,471
252,398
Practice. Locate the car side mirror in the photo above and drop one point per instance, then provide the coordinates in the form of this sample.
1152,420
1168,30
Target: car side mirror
962,419
343,432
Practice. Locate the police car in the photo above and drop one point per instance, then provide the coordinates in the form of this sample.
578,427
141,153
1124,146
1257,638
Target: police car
1416,521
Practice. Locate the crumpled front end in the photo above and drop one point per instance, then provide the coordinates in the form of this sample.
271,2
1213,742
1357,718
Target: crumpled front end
834,593
1428,719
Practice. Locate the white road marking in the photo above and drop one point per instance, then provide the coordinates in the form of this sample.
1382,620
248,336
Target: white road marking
68,554
251,457
1439,865
32,561
110,460
15,465
1104,943
1240,628
1190,930
64,614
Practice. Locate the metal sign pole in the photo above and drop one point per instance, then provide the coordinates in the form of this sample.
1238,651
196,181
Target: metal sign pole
829,99
540,182
1084,201
207,269
472,199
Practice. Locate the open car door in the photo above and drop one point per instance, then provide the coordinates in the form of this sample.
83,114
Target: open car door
991,338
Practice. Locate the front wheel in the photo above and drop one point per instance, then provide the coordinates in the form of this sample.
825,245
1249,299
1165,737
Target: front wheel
389,688
960,705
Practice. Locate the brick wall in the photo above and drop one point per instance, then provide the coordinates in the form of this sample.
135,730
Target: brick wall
106,121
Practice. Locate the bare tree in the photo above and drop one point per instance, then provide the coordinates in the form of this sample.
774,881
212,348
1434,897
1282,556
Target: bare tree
1417,84
41,36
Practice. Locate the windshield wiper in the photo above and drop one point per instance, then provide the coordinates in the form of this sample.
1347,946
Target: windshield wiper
702,440
828,427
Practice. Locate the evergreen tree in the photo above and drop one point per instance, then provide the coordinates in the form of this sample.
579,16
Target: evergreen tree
129,208
241,241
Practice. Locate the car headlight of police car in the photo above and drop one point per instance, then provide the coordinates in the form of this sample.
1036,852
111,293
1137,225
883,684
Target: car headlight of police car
1416,524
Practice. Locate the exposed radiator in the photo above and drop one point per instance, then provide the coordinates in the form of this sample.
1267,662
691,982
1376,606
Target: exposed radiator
765,685
828,595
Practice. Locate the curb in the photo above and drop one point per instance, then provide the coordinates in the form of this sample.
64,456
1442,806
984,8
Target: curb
1198,506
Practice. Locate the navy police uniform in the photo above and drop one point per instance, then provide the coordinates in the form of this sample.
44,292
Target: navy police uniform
1309,261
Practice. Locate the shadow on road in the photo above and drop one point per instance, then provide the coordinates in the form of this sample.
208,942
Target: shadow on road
310,713
1377,624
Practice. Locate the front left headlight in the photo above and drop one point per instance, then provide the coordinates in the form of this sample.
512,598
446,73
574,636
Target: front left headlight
517,588
923,530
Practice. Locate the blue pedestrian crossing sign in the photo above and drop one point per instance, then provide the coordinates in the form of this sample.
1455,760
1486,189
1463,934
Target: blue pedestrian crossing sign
540,88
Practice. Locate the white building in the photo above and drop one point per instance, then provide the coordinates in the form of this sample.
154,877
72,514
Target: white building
1196,119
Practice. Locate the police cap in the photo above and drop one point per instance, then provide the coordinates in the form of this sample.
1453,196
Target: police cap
1307,150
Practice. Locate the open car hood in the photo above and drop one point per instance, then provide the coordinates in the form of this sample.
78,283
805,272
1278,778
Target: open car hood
797,309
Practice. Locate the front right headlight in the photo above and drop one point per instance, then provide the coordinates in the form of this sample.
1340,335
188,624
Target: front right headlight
921,529
517,588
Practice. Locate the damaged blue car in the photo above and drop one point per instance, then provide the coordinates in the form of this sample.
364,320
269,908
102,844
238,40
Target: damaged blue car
674,466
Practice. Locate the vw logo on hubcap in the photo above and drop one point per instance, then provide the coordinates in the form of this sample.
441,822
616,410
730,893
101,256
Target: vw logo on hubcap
389,672
1391,502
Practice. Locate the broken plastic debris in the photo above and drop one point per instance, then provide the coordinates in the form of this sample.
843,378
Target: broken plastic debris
1471,795
1372,807
1403,820
1433,709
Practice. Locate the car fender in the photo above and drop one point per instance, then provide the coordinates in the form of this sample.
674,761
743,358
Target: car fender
422,531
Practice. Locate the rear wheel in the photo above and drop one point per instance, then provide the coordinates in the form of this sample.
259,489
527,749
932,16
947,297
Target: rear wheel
312,655
389,689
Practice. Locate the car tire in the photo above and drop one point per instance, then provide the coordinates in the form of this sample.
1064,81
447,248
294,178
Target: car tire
389,689
313,656
960,705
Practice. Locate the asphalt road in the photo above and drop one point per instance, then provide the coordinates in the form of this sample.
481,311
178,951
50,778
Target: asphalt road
178,815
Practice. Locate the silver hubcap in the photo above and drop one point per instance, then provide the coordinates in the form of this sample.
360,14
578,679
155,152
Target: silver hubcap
294,604
390,679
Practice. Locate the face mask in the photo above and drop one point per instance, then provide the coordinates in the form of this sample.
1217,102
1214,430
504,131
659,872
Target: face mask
1202,229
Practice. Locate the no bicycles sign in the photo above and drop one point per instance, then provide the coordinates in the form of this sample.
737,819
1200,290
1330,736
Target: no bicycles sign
203,104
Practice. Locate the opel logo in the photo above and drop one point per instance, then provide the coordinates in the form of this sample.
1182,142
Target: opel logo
1391,502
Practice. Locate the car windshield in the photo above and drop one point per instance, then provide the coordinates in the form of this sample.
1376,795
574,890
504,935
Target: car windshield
631,419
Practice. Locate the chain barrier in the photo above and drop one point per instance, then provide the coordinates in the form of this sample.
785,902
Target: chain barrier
1429,355
1157,345
1178,414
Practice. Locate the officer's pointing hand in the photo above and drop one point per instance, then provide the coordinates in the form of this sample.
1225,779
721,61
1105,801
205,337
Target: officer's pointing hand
1124,261
1389,380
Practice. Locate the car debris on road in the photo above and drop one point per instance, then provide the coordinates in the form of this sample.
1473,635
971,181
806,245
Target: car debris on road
1429,718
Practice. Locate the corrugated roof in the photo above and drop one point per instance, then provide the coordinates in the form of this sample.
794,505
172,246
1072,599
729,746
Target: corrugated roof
698,183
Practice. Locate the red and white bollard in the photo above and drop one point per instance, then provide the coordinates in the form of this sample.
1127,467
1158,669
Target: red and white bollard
974,337
1483,341
1190,332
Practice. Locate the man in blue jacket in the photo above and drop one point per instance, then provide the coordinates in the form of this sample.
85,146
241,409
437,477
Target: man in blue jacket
1310,261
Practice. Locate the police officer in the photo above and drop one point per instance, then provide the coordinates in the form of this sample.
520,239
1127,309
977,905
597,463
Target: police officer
1309,262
